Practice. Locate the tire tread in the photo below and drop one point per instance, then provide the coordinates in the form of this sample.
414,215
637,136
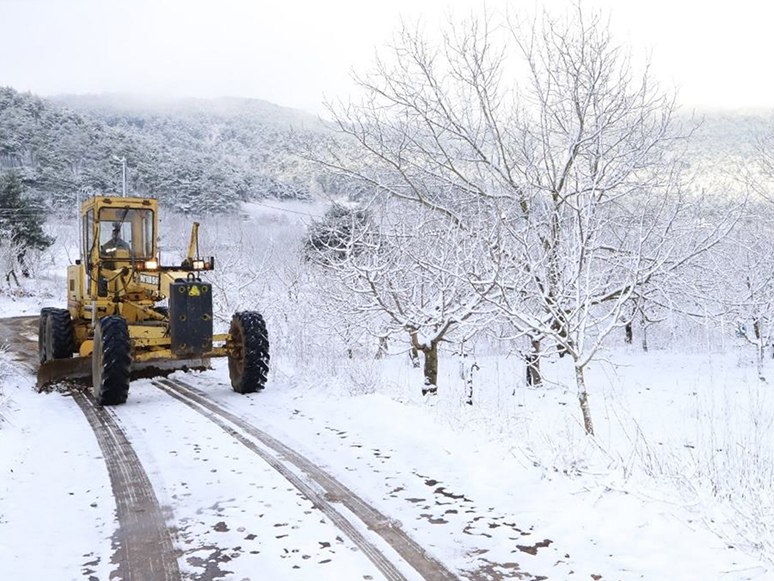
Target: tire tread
62,334
42,356
116,361
255,350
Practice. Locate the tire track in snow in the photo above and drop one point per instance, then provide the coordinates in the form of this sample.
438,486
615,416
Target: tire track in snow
144,549
288,462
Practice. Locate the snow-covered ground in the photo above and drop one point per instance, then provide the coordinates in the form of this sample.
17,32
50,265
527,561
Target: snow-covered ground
465,483
632,503
56,508
677,483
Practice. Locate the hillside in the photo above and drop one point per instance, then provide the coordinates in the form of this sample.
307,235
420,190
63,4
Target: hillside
198,155
210,155
112,108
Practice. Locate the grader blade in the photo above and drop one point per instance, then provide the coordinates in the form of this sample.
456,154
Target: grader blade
61,369
79,369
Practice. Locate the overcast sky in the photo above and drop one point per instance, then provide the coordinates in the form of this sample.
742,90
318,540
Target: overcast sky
293,52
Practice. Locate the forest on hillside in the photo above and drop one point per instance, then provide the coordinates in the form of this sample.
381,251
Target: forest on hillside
208,155
196,156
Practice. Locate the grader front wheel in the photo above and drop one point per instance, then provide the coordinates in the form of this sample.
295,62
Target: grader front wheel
60,335
56,336
42,351
111,361
248,360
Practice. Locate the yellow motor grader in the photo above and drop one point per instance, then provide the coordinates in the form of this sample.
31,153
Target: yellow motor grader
116,323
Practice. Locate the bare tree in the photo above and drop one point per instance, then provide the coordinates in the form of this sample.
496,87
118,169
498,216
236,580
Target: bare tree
741,271
644,308
541,143
404,271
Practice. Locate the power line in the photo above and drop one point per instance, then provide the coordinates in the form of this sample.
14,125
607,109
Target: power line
285,210
38,212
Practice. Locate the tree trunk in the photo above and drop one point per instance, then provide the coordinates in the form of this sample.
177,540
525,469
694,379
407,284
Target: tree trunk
468,368
11,274
561,348
469,372
759,348
645,339
414,355
21,259
583,399
381,351
534,378
629,333
431,370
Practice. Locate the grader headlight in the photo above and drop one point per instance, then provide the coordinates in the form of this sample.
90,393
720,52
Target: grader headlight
198,265
151,264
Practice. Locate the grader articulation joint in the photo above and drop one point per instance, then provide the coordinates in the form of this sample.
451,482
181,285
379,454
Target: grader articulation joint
113,323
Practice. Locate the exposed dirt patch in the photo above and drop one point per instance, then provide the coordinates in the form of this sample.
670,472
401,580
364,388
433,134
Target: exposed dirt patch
533,549
442,491
210,564
490,571
63,387
20,334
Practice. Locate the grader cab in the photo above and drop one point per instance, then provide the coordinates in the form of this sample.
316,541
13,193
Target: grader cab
126,312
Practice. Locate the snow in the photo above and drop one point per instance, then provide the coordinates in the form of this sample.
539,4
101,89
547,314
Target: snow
676,484
47,287
433,465
57,513
380,446
225,500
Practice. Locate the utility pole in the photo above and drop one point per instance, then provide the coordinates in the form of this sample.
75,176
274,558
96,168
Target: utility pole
123,172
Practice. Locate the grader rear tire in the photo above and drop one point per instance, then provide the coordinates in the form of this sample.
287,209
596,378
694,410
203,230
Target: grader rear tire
111,361
60,334
248,360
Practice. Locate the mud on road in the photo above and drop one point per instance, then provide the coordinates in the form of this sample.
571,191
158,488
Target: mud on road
20,334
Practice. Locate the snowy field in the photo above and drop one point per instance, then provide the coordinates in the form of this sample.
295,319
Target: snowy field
677,483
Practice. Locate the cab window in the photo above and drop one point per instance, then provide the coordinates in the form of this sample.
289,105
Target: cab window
88,235
125,233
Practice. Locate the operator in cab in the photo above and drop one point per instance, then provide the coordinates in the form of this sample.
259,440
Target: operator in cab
115,242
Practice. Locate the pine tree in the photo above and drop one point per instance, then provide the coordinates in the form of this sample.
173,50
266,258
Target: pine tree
339,234
21,219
